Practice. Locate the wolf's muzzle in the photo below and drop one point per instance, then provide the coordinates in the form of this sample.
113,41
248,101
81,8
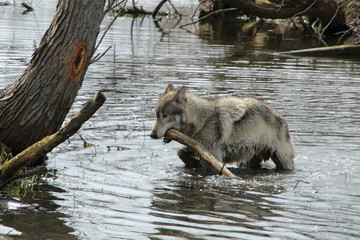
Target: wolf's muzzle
154,135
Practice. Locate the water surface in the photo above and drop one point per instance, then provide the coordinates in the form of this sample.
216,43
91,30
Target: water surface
128,186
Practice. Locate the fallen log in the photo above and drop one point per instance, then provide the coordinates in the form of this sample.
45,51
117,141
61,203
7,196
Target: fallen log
10,169
202,150
343,51
330,12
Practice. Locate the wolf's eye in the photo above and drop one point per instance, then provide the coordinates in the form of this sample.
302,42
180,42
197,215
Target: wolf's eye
165,115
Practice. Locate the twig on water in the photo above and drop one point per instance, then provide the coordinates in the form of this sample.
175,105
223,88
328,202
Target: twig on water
297,183
99,56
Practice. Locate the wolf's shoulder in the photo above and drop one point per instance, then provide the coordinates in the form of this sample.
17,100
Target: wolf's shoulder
232,107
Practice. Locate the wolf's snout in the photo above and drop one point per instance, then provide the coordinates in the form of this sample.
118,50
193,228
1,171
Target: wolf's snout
154,135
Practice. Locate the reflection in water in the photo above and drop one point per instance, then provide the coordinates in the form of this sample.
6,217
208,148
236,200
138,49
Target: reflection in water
256,35
131,187
37,218
212,207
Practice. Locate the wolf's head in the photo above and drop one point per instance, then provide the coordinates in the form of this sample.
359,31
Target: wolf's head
169,111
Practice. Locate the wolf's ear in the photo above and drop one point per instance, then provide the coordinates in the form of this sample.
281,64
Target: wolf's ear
180,95
169,88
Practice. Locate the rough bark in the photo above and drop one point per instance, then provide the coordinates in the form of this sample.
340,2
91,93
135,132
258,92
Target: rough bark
202,150
37,151
37,103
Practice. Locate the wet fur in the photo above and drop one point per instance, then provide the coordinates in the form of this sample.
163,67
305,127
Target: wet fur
242,130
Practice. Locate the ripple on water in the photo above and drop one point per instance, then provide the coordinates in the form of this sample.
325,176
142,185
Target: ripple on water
128,186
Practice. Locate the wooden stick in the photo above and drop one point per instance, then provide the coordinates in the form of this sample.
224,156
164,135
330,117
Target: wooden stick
202,150
39,150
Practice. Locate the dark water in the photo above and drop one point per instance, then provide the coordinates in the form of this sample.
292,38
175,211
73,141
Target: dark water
128,186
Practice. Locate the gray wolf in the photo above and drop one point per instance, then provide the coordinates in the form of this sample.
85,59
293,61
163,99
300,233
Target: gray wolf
240,130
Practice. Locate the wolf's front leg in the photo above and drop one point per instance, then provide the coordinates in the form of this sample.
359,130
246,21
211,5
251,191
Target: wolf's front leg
194,160
191,159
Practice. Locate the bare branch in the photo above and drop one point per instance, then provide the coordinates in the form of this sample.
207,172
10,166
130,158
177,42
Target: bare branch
99,56
305,10
176,11
112,4
119,13
158,7
208,15
333,17
197,8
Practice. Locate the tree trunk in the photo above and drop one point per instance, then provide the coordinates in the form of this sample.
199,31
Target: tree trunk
37,103
9,171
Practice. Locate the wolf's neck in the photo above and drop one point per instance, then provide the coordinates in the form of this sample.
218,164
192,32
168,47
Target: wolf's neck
199,111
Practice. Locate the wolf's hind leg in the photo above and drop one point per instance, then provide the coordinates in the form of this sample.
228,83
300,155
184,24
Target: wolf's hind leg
282,162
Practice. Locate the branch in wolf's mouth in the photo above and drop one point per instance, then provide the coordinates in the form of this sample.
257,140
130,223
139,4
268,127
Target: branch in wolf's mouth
202,150
166,140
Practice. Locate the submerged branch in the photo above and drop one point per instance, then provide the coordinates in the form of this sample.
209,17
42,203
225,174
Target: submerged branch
202,150
347,51
10,169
